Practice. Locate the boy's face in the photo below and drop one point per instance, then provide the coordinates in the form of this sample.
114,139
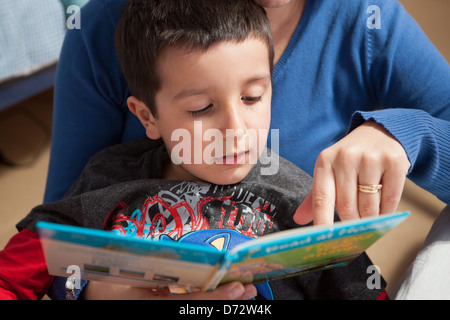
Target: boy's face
213,110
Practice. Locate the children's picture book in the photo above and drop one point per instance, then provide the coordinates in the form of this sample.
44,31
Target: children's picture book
104,256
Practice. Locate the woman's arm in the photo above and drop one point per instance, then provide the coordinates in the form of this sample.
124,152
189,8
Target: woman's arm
410,81
90,111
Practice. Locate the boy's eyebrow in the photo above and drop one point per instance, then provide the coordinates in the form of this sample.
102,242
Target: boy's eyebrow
188,93
257,78
194,92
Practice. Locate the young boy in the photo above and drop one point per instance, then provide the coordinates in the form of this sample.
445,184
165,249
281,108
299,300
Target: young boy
188,62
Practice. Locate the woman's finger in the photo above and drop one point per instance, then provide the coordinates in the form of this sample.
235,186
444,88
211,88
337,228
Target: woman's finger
346,179
304,213
393,183
370,174
323,191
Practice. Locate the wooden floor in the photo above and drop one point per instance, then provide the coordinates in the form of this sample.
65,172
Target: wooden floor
24,140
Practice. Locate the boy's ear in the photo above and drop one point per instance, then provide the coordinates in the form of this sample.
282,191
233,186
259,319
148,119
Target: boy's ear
144,114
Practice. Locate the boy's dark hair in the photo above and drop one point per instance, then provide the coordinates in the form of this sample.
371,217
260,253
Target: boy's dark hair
149,26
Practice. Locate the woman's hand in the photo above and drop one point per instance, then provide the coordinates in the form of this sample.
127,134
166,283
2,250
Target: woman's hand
369,155
96,290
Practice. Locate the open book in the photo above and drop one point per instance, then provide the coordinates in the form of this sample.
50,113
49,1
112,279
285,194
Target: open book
104,256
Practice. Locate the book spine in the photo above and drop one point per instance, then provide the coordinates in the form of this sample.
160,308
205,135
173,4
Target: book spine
217,275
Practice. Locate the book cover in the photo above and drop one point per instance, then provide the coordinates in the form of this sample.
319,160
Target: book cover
104,256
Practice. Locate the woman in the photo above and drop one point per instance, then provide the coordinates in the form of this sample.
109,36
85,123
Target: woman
361,100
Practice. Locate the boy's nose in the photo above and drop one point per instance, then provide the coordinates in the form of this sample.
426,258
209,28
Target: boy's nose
233,118
234,129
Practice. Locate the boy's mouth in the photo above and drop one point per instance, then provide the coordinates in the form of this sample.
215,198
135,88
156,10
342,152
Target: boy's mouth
235,158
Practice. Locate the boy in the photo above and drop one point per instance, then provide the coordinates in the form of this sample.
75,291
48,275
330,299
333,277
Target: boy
188,62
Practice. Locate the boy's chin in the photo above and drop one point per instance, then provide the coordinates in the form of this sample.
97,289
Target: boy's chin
229,177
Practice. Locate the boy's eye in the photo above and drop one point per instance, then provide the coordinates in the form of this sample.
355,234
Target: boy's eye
201,111
251,99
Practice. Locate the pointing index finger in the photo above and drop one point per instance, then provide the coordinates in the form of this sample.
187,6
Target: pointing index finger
323,194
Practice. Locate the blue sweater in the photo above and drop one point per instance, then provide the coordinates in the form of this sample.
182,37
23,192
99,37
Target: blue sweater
335,74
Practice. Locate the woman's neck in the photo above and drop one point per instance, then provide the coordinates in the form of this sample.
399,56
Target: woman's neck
284,21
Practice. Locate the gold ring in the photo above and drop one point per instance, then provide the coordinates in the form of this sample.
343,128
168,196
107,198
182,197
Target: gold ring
373,188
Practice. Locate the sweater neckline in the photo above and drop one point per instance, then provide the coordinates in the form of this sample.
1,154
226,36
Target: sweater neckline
295,38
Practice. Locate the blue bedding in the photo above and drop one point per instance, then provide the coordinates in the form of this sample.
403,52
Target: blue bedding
31,36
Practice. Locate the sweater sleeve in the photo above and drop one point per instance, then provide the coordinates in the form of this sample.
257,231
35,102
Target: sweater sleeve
23,271
412,86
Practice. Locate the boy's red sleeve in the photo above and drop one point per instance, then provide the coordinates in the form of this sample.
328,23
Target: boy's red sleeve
23,271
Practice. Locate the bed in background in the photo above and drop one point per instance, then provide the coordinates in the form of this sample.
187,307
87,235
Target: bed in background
31,36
